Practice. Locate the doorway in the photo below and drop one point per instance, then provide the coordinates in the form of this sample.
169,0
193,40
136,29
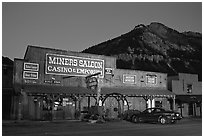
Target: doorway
111,107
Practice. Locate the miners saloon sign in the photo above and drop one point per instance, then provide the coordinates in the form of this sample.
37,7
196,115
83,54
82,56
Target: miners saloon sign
73,66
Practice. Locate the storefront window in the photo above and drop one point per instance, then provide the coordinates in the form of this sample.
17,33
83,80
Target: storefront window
58,104
158,104
47,105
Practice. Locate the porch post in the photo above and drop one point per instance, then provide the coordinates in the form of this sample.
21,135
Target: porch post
200,109
52,111
98,91
19,116
150,102
88,102
19,108
174,102
195,106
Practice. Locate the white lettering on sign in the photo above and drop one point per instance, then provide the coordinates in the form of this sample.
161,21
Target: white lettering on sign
129,79
108,71
31,66
62,61
73,66
30,75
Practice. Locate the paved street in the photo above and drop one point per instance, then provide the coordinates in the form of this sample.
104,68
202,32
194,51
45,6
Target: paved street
186,127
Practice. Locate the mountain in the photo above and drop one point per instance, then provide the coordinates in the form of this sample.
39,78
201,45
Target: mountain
155,47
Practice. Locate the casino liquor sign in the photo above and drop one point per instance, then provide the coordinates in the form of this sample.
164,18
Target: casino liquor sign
73,65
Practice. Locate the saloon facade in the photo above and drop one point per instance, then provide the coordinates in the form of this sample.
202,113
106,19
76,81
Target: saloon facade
51,83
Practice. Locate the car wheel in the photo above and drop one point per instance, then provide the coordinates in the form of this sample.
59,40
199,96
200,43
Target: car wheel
163,120
135,119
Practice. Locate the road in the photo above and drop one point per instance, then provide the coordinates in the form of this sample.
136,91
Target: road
186,127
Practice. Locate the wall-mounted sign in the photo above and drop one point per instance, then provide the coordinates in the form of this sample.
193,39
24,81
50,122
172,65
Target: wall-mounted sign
30,75
31,66
129,79
151,79
73,66
30,81
109,71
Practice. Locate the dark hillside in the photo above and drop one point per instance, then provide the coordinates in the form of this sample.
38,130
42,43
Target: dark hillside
155,47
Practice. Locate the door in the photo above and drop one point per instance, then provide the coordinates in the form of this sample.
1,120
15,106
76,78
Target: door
147,115
190,109
64,108
69,108
111,107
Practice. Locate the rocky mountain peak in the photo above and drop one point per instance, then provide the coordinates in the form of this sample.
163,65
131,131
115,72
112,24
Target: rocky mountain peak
140,26
158,29
155,47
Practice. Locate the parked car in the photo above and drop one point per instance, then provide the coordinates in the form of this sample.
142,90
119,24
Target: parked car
127,115
156,115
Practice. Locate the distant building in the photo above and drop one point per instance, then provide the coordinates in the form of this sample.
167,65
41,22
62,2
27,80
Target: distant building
188,92
7,87
53,83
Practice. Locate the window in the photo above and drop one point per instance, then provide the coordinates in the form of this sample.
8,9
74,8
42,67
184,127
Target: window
47,104
189,88
151,79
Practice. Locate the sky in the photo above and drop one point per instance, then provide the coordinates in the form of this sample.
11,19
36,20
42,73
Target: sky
77,26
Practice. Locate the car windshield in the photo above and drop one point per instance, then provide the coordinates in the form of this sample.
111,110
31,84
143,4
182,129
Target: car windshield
157,110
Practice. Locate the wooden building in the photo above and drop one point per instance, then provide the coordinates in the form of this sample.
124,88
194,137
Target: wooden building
188,92
7,88
52,84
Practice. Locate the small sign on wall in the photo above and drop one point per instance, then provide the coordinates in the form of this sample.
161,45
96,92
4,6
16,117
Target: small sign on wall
31,66
109,71
30,72
30,75
129,79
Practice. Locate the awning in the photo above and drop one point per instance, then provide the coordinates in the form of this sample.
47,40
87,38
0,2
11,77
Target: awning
36,88
56,89
189,98
138,92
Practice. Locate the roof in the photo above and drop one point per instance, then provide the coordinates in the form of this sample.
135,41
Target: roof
7,62
189,98
60,51
138,92
56,89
